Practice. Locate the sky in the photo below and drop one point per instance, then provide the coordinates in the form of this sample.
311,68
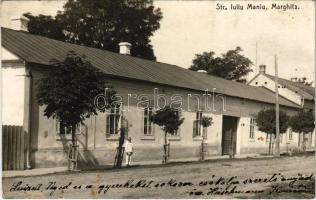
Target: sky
192,27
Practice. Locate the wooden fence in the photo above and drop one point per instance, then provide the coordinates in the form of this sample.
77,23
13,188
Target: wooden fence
13,148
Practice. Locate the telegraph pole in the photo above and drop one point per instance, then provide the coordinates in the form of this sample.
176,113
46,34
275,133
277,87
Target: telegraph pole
277,120
256,64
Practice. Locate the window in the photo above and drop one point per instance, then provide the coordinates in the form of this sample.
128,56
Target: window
290,134
148,125
176,133
62,129
112,121
197,126
252,128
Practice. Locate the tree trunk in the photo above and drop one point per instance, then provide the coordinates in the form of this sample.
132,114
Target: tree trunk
166,150
304,142
270,142
203,143
120,151
73,154
299,141
165,137
73,135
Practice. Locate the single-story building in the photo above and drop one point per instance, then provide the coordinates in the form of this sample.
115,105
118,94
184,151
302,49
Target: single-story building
232,106
301,94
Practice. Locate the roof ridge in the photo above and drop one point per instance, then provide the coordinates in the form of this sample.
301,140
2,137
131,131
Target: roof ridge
115,53
39,49
304,90
301,84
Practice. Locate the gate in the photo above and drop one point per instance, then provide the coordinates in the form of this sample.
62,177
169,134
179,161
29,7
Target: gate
13,148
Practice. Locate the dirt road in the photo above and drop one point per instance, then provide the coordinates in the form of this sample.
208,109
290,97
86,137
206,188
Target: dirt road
286,177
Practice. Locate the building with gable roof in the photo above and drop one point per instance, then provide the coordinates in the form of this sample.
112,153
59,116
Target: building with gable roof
26,58
298,93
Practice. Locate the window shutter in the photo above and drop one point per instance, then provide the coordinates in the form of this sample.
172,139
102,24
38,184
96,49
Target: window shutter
250,136
117,123
145,125
107,124
144,122
194,128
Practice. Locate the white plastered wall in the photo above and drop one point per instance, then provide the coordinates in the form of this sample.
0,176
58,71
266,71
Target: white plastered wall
266,82
13,88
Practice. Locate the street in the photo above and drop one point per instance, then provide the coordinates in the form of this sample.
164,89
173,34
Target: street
285,177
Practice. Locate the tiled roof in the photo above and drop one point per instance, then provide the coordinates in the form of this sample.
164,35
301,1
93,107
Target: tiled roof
307,92
40,50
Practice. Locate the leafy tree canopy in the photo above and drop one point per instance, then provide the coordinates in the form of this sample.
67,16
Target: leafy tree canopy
231,65
207,121
266,121
303,122
69,90
103,24
45,26
168,119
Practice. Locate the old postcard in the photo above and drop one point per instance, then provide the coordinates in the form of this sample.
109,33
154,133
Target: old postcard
158,99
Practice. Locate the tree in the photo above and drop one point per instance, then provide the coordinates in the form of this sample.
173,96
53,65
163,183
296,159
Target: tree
302,80
206,122
266,122
169,120
103,24
231,65
302,123
120,150
68,91
45,25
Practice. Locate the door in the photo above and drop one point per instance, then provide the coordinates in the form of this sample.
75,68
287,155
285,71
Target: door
229,134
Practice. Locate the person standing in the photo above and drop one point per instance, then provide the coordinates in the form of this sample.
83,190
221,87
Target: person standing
129,151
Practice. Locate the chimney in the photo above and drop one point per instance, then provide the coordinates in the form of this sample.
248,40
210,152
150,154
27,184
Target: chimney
19,23
125,48
262,69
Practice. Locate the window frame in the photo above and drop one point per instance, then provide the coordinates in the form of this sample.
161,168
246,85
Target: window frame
68,135
147,124
113,117
197,125
252,125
